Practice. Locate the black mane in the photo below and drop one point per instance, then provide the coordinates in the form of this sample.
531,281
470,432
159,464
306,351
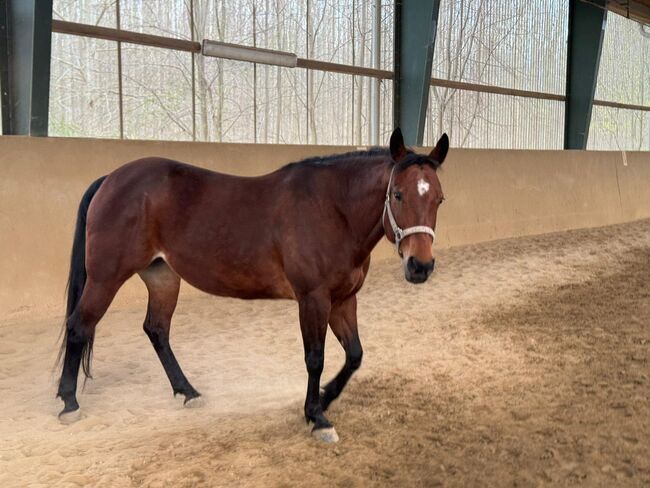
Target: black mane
409,160
320,161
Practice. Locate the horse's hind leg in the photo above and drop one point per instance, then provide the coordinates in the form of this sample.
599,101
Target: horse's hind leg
343,321
80,333
313,312
163,285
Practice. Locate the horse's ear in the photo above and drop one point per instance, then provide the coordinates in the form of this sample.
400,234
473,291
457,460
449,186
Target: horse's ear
439,153
397,149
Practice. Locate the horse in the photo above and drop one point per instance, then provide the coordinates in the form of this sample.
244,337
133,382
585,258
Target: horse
303,232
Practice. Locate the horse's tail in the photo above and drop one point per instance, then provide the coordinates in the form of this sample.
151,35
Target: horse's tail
77,274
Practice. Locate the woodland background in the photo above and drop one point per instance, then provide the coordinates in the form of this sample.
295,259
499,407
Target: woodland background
173,95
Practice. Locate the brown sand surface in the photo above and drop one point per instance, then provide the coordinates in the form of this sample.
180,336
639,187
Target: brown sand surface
521,363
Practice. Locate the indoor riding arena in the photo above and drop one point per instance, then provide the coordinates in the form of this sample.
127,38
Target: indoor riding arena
486,272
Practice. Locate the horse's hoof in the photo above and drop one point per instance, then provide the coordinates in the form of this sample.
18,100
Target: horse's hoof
194,402
67,418
327,434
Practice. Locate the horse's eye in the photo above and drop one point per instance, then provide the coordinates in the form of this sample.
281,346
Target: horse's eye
398,195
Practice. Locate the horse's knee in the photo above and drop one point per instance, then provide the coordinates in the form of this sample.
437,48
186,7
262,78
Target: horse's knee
355,356
315,360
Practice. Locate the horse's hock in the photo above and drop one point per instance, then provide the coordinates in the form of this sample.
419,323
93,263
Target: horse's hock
491,194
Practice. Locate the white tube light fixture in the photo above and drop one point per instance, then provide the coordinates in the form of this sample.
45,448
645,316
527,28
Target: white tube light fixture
236,52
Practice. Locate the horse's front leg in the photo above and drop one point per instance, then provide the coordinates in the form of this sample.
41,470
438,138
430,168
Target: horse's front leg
314,313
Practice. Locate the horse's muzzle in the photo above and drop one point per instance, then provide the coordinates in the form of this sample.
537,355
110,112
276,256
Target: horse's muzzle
417,272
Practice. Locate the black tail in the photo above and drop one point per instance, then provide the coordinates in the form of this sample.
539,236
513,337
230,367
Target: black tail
77,275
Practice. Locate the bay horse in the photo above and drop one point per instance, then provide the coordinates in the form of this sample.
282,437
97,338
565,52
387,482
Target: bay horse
303,232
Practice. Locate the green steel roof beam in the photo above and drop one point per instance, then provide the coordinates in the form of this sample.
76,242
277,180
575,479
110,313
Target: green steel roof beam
416,23
587,23
25,51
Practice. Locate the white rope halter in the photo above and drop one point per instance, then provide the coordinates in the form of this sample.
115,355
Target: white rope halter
401,234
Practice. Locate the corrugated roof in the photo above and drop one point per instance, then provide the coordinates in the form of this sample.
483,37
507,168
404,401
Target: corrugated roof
638,10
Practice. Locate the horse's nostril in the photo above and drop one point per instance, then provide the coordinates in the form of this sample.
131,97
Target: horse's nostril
412,265
418,268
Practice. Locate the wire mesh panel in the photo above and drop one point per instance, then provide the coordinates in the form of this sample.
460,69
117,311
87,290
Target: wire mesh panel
84,99
157,91
518,45
619,129
164,18
488,120
239,101
624,76
386,115
624,73
281,102
330,114
93,12
225,101
342,32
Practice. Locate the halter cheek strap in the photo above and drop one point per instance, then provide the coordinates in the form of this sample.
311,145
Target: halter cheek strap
401,234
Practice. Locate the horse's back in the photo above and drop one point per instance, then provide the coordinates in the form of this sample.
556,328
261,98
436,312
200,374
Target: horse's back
167,185
146,173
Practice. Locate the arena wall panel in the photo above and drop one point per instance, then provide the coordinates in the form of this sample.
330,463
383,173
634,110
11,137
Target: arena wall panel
491,194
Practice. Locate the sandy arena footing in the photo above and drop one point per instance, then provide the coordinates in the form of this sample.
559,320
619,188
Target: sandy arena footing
522,362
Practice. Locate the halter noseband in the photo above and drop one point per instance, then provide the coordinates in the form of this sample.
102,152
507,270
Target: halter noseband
401,234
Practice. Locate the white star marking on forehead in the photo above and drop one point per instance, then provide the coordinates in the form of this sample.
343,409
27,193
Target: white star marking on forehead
423,186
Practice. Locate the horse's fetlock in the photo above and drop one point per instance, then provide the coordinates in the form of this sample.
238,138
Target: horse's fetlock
354,360
354,355
68,396
313,411
328,396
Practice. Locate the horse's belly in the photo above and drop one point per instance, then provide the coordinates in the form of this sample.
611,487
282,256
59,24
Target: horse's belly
249,282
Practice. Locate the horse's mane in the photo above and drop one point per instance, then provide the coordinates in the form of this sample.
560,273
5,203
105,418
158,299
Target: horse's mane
356,156
359,156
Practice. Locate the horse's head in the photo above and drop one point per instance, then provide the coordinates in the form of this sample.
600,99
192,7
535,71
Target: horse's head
411,208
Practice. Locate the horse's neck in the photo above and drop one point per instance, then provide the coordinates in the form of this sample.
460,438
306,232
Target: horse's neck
365,204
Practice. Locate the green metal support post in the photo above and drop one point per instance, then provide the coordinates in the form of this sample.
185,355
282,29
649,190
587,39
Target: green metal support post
416,23
25,51
587,23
